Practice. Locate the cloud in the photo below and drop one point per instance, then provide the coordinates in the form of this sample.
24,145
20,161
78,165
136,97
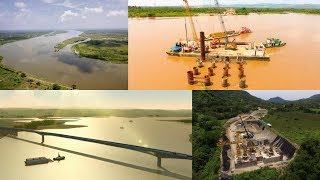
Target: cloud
49,1
117,13
20,4
95,10
68,4
67,15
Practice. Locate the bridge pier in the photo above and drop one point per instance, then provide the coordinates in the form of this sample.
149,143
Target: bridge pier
159,161
42,136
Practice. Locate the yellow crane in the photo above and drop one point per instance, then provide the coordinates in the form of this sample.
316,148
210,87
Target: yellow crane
194,33
229,45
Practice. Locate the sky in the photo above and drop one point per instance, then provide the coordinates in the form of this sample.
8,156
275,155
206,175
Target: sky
211,2
63,14
96,99
284,94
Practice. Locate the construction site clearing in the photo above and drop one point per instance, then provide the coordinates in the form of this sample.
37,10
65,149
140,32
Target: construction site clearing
250,144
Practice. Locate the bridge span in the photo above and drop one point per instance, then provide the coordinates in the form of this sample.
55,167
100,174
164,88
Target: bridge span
152,151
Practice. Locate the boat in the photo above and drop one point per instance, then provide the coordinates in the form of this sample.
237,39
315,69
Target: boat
244,30
37,160
272,42
130,121
59,158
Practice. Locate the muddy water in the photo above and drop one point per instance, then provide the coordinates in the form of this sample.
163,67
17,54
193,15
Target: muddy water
294,66
37,57
93,161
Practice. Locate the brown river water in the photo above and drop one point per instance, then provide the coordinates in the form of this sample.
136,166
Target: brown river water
86,160
294,66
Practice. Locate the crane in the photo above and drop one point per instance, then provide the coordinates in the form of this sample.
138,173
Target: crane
194,33
228,45
251,144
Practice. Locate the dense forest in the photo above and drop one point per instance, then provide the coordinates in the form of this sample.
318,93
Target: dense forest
297,120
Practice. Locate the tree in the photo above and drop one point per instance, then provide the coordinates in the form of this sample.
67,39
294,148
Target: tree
56,87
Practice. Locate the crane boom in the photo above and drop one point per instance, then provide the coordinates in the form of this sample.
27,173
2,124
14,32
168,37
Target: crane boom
222,22
194,33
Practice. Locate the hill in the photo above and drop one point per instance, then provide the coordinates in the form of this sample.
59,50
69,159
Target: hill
276,99
296,120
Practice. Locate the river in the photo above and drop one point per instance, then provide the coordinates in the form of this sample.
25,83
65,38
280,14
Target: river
37,57
294,66
93,161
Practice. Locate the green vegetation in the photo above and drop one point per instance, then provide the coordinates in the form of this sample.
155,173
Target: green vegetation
295,125
12,36
260,174
38,125
307,163
206,132
298,121
44,113
11,79
55,33
180,11
168,11
103,45
187,121
304,166
46,124
69,41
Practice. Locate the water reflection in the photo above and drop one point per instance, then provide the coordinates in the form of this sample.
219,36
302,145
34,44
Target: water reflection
86,160
36,56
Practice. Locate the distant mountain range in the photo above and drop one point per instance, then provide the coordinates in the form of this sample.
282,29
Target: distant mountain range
276,100
314,98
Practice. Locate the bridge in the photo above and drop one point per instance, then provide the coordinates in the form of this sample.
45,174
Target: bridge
152,151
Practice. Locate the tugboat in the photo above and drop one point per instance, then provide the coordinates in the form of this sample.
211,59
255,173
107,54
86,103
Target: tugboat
272,42
59,158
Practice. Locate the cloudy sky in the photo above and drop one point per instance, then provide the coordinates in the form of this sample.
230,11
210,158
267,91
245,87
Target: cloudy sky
287,95
211,2
63,14
97,99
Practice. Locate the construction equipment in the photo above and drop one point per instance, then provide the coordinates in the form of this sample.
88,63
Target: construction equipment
229,45
248,137
194,33
244,30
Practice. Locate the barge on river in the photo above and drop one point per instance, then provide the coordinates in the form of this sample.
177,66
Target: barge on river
244,51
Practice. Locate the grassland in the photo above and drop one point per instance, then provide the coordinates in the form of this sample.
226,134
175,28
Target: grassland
296,126
45,113
68,41
103,45
180,11
11,79
12,36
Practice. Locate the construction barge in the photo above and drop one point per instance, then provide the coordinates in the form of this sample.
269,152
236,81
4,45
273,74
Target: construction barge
245,51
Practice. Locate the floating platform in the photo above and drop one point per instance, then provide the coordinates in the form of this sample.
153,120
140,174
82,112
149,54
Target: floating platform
242,52
37,160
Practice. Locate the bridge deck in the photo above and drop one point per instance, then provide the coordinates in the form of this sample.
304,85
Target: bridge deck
152,151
